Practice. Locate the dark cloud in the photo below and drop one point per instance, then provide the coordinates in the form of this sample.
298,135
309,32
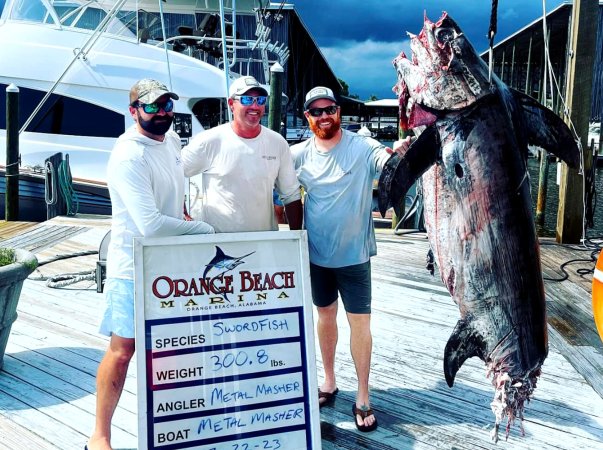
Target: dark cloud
347,30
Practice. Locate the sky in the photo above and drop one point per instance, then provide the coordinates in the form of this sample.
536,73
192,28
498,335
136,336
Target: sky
360,38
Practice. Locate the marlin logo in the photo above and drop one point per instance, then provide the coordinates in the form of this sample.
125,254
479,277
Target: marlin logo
224,262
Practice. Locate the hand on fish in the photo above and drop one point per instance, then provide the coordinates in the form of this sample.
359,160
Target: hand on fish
401,145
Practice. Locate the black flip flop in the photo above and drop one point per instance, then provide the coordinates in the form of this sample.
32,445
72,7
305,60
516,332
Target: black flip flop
364,413
329,397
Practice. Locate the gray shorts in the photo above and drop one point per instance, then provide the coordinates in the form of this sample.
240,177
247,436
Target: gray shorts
353,283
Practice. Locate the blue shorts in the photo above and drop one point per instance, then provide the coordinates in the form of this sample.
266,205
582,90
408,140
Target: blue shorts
276,199
119,312
353,283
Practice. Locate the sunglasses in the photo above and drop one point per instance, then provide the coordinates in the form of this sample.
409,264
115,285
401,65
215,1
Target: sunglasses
153,108
317,112
248,100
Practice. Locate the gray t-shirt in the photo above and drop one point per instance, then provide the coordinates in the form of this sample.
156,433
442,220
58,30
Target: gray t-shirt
338,198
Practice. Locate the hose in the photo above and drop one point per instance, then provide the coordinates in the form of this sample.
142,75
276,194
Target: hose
66,185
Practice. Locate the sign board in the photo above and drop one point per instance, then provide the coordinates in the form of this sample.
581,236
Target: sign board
225,342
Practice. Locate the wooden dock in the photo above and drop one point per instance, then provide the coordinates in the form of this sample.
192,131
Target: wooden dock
47,384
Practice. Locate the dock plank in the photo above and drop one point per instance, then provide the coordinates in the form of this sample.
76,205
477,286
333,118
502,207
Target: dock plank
47,386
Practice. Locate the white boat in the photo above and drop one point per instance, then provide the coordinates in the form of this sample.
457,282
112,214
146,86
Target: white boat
87,54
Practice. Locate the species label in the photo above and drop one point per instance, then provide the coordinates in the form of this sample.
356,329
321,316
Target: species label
225,343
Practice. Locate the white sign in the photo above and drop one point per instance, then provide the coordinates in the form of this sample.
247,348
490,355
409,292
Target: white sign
225,342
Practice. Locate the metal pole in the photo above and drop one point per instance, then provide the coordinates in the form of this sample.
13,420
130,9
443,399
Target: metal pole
11,205
225,55
528,86
81,52
542,187
276,95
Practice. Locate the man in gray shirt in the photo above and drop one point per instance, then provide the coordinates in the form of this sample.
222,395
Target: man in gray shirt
336,168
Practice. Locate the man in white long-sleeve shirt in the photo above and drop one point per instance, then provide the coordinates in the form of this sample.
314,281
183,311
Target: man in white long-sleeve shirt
146,183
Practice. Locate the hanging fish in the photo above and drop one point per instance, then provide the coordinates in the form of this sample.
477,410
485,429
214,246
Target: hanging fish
471,153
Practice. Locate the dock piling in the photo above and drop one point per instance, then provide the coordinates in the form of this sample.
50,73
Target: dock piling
11,208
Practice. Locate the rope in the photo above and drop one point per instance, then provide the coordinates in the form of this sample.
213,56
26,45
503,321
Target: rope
491,34
59,281
588,245
67,256
65,182
50,187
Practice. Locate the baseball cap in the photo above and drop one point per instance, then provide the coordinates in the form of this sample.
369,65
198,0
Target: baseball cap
317,93
243,84
148,91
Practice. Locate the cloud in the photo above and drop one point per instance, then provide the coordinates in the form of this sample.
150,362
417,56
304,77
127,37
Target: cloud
359,39
366,66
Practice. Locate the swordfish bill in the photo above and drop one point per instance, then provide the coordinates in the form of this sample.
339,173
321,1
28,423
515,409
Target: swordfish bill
471,152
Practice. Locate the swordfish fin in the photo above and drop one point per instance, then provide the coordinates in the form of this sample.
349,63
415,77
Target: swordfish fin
545,129
220,256
463,343
401,171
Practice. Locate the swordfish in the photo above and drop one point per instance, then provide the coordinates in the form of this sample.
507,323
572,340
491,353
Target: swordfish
471,152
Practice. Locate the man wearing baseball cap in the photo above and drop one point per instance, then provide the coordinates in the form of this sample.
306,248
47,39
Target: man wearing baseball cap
146,184
242,162
336,169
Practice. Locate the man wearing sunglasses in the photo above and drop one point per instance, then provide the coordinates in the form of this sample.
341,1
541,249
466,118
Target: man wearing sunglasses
146,184
336,168
241,162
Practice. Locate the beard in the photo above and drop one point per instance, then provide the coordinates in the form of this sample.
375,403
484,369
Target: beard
325,133
158,125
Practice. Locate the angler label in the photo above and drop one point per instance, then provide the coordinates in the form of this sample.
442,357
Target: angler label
224,342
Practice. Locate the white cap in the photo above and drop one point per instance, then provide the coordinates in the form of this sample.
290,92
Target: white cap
241,85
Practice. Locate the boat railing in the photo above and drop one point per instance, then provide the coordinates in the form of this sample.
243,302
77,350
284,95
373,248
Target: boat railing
280,51
79,53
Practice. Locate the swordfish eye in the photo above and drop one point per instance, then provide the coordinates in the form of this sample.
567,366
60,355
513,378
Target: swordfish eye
445,34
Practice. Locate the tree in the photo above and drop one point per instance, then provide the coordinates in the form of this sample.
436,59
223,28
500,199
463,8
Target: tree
345,89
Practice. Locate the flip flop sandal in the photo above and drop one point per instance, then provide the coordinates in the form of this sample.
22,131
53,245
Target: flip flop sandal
327,397
364,414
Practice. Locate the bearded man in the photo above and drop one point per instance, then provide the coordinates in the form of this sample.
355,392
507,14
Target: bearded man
146,184
336,168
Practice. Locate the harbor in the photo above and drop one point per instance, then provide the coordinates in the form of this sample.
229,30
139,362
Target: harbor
48,388
67,103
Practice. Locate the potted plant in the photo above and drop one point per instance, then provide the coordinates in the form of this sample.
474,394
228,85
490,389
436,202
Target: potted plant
15,267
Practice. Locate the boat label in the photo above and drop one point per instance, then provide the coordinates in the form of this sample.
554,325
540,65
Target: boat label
225,342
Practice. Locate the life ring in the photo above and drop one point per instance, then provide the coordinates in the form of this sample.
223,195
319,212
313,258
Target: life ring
598,295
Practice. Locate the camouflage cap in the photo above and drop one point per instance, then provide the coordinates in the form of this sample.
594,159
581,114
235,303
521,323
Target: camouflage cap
148,91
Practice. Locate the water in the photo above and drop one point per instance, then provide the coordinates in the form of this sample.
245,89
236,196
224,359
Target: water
552,200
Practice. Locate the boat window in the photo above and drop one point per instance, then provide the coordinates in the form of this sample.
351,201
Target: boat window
30,11
210,112
150,24
64,115
79,16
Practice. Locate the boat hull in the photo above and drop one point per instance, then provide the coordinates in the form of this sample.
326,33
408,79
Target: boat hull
92,198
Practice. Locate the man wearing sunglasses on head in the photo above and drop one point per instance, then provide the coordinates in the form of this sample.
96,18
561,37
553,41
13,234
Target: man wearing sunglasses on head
336,169
241,162
146,183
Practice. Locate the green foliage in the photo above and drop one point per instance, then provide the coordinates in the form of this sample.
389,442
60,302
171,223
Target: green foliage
7,256
345,89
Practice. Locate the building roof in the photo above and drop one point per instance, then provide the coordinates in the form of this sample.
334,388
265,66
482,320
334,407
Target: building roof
384,103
